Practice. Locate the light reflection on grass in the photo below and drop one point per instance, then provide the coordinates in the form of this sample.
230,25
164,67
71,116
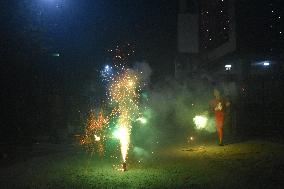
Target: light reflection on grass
238,165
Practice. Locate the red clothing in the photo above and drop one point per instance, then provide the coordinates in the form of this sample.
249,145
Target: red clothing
218,107
219,118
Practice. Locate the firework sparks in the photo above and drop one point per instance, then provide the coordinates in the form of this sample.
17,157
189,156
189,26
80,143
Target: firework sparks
121,53
94,137
107,73
200,121
123,92
142,120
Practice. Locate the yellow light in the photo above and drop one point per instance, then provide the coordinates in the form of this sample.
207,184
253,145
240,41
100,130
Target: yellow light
130,83
97,138
200,121
123,93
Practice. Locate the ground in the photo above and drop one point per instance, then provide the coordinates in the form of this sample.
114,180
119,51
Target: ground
246,164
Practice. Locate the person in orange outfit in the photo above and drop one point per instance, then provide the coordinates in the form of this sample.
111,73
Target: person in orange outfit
219,106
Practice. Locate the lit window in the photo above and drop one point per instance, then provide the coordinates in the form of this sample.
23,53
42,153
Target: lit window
228,67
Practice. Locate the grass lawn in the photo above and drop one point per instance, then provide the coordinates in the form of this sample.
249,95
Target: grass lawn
250,164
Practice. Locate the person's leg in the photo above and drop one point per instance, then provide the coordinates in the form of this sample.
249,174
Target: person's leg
220,124
220,132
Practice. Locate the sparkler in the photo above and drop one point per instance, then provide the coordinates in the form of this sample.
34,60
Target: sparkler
200,121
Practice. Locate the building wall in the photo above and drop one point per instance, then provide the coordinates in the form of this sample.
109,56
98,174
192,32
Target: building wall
188,33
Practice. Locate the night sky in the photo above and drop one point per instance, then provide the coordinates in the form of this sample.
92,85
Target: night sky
81,31
260,26
214,23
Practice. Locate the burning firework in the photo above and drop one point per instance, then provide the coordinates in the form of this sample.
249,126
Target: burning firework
94,137
124,166
123,92
200,121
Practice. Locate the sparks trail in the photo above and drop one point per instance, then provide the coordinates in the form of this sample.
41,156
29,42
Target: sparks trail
124,93
122,102
95,136
121,54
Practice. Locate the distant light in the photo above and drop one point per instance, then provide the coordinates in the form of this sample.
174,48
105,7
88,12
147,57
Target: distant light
266,63
55,54
228,67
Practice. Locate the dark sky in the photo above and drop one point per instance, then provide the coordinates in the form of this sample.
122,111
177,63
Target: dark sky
83,30
260,26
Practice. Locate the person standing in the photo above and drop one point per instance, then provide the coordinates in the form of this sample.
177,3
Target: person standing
219,105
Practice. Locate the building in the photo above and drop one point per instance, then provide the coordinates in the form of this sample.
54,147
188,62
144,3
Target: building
238,45
206,32
229,31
